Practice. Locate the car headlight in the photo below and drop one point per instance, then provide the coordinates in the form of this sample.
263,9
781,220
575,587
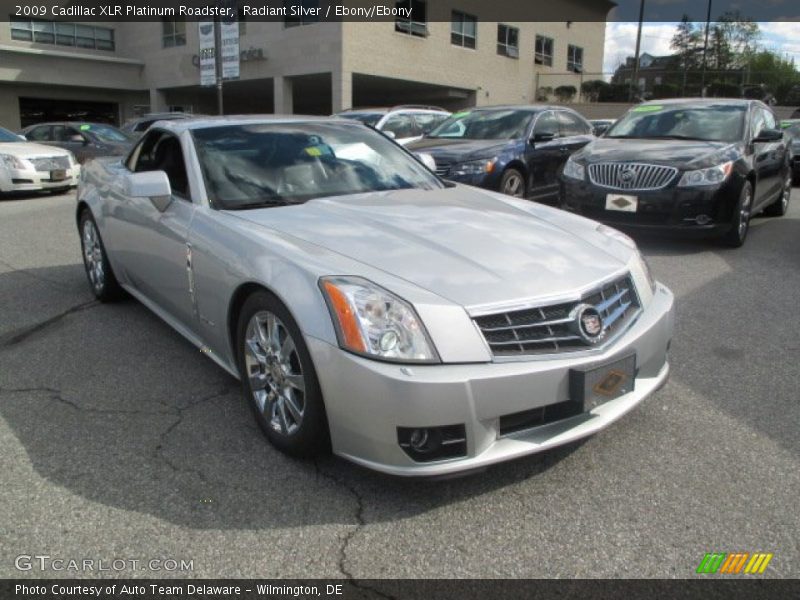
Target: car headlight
628,241
574,170
711,176
372,321
12,162
475,167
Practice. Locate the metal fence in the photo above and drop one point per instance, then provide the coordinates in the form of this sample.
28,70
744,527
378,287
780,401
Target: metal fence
783,89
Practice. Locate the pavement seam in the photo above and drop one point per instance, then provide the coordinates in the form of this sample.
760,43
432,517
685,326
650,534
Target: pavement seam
17,337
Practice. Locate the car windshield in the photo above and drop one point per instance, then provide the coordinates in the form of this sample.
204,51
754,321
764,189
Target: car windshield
271,164
105,133
706,122
7,136
793,131
370,119
500,124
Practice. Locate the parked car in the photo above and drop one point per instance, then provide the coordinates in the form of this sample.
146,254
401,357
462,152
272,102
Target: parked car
600,126
703,166
84,140
517,150
404,124
416,326
793,133
25,166
136,127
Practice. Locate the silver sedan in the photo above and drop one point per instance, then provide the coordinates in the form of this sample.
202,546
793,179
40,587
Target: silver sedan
408,324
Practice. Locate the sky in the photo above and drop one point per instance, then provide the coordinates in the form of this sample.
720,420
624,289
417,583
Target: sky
783,37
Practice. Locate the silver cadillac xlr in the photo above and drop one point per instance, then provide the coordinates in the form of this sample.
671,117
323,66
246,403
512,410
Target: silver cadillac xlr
408,324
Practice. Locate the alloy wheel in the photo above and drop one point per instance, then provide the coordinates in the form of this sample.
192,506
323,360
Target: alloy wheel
744,213
787,193
93,256
274,372
513,185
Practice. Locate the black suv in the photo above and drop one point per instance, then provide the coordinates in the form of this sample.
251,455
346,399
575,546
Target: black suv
699,165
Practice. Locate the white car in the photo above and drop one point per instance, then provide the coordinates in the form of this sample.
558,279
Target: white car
29,167
404,124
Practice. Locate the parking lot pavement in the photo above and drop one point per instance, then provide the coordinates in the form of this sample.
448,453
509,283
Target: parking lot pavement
121,441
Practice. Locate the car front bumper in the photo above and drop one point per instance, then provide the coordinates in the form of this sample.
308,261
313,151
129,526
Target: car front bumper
31,180
366,401
670,209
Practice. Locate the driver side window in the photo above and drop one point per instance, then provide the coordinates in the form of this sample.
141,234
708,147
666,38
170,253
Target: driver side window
547,123
161,151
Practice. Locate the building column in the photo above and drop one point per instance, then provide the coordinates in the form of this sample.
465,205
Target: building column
283,95
158,101
342,91
9,110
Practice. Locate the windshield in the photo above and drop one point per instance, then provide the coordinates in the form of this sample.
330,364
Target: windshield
106,133
706,122
272,164
7,136
370,119
501,124
793,131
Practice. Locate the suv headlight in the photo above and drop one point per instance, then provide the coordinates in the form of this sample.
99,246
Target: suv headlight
475,167
12,162
574,170
711,176
372,321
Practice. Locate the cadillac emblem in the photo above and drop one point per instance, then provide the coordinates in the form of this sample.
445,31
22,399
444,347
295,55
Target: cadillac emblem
588,323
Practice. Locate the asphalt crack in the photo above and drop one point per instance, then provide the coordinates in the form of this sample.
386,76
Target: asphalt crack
33,275
20,335
57,395
348,538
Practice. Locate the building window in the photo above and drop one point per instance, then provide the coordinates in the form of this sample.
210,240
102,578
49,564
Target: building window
508,41
173,33
417,22
463,30
62,34
544,51
308,17
574,59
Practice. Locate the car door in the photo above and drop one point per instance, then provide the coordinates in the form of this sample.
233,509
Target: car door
576,132
71,139
543,156
401,127
40,134
153,244
768,157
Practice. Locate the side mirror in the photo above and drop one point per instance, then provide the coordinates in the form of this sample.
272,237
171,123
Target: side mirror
543,137
150,184
77,137
23,138
427,160
390,134
769,135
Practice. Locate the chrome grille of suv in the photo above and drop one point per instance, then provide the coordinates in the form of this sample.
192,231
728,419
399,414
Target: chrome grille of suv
50,163
442,168
631,176
549,329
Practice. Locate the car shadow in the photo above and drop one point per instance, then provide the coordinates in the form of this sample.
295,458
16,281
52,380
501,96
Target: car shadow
110,404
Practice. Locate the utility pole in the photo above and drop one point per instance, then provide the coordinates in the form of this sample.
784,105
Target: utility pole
635,78
705,53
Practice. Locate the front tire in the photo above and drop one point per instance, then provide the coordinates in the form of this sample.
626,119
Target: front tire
740,224
781,204
95,261
278,378
513,183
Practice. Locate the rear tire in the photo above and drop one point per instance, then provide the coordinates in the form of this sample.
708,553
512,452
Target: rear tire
278,378
781,204
740,225
95,261
512,183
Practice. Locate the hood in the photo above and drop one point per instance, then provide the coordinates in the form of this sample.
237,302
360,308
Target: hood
459,150
31,150
676,153
463,244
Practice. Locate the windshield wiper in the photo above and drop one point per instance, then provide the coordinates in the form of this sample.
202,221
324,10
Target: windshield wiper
264,203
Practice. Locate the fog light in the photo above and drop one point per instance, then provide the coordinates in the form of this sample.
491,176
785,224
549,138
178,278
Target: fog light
703,219
419,440
425,444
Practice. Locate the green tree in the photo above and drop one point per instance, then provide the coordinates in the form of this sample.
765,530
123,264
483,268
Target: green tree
686,42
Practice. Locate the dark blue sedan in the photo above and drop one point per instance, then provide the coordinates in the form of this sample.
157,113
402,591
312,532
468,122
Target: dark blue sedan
517,150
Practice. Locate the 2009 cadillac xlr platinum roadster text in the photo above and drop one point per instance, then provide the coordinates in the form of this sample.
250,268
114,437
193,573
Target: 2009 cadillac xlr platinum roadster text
413,326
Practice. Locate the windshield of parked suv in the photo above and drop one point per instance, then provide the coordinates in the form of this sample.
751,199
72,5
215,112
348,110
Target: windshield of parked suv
793,131
500,124
7,136
272,164
705,122
106,133
370,119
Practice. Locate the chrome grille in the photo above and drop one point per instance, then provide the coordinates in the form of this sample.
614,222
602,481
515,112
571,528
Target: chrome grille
442,168
50,163
631,176
551,329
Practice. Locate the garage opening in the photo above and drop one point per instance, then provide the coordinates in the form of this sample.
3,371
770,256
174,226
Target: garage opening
39,110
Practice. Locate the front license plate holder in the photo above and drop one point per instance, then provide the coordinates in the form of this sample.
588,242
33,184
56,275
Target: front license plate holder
58,175
598,384
622,202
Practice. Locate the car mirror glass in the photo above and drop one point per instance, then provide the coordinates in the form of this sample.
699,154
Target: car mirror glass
150,184
769,135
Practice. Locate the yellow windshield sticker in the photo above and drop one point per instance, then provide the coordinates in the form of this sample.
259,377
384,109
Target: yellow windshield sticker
85,127
313,151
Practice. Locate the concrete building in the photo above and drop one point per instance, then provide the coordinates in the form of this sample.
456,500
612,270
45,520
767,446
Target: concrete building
449,57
